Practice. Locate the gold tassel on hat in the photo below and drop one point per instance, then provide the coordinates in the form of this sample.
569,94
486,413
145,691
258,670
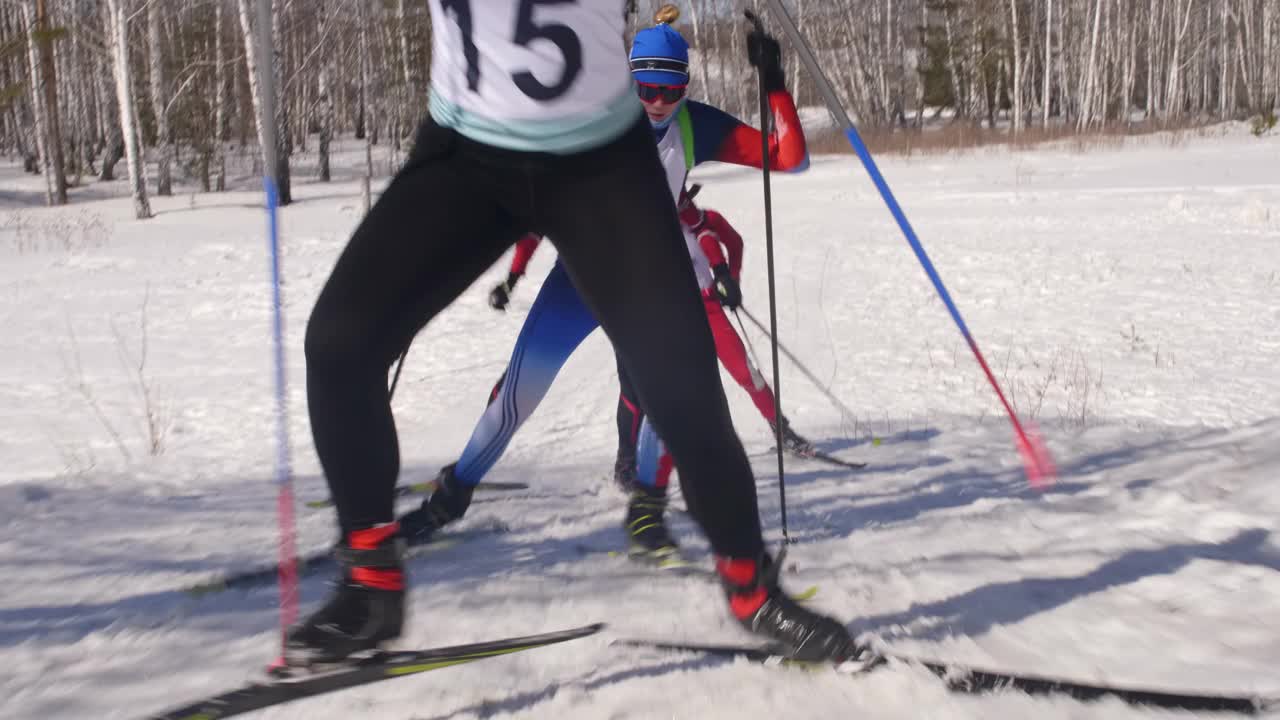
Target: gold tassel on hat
666,14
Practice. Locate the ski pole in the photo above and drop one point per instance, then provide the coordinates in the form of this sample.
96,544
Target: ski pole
1035,456
391,392
765,116
288,561
792,357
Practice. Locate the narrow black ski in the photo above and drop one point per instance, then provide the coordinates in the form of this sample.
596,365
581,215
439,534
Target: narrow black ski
832,460
821,456
670,564
319,561
429,486
679,566
386,666
961,678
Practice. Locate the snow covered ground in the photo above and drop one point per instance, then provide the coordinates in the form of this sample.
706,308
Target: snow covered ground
1129,299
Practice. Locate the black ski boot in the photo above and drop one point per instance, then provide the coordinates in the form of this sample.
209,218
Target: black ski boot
449,502
365,610
760,604
624,470
792,442
647,526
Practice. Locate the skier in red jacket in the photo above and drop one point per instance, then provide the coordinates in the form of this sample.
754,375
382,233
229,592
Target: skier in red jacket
722,246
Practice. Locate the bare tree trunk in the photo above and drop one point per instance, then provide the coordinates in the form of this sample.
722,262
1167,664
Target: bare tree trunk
45,100
1017,67
362,97
159,101
283,145
252,60
1086,95
1173,88
1048,57
409,112
924,29
114,137
1131,68
704,53
79,77
1270,88
367,181
219,101
957,86
325,93
118,31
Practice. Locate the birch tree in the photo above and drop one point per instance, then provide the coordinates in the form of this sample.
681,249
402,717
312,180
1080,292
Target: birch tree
118,34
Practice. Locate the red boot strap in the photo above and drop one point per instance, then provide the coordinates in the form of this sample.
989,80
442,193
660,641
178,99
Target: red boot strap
378,578
740,572
371,538
745,604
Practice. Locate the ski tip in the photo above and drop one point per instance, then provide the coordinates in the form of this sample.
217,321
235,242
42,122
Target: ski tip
806,594
556,636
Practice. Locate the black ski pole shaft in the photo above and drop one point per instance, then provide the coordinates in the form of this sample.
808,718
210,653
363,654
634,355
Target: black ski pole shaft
765,117
396,378
799,366
751,348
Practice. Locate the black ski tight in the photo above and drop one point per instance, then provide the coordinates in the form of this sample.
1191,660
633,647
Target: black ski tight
447,216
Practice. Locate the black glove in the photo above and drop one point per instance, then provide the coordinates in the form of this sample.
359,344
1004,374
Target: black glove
727,290
501,294
764,53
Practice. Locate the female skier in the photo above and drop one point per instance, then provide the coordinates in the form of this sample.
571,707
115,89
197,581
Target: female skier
535,128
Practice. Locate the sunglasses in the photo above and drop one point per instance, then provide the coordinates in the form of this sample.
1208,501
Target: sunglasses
668,93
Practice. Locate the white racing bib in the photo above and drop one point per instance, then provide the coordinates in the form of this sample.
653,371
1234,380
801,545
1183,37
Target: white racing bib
536,75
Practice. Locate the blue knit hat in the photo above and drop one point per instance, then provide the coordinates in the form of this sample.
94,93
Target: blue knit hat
660,56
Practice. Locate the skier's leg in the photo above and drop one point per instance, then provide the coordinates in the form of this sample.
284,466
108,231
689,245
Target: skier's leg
557,324
653,460
493,394
630,417
733,356
394,275
615,224
645,522
620,240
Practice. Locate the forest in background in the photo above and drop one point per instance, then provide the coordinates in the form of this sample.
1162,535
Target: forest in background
167,88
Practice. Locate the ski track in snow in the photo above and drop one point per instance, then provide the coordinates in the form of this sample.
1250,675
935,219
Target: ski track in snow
1128,299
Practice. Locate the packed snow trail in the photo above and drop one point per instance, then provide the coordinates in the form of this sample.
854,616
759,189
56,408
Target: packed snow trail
1128,298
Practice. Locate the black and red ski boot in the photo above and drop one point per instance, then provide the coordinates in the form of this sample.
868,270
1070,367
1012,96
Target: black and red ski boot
448,502
760,604
793,442
646,525
366,608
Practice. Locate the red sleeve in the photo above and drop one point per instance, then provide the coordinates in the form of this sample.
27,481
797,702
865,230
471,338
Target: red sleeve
690,215
787,147
710,244
524,251
728,237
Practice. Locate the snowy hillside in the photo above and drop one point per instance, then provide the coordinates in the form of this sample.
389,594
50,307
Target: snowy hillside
1128,299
